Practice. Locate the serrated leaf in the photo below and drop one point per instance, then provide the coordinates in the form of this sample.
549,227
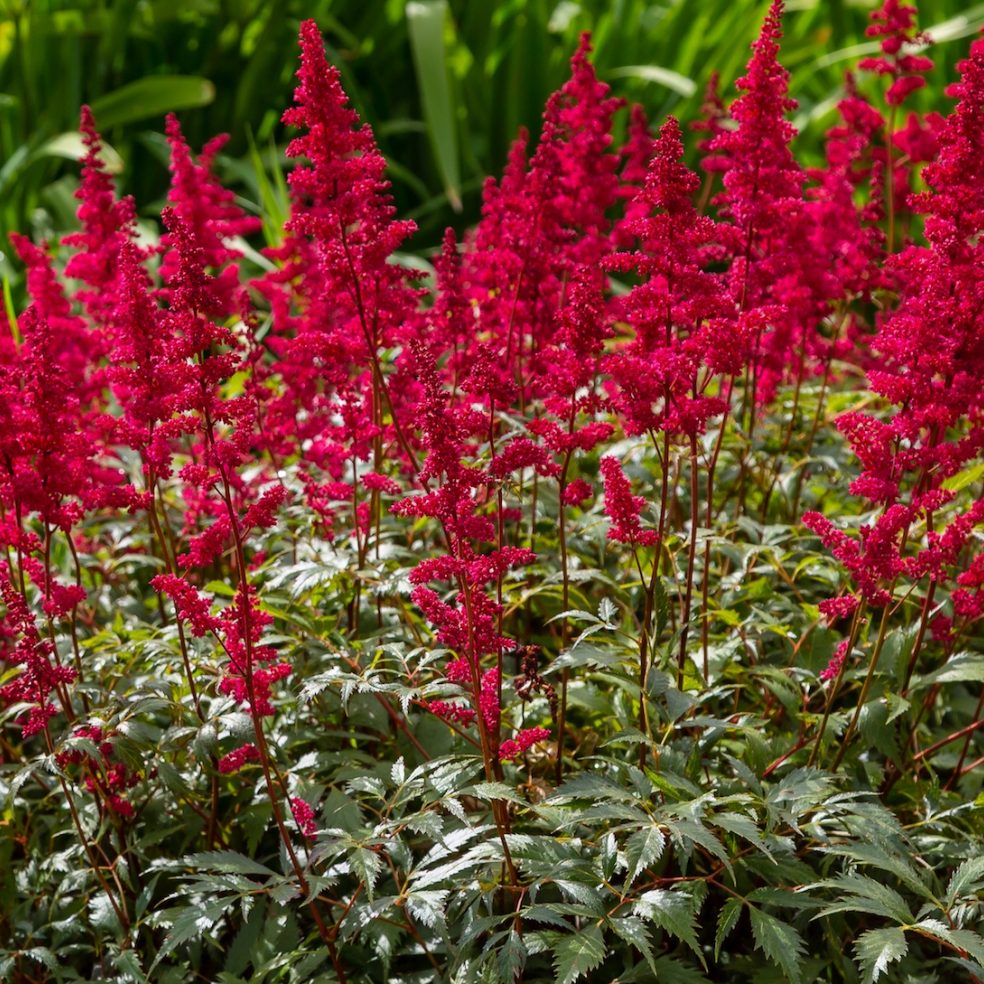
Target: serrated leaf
428,906
779,942
859,894
227,861
880,857
641,850
239,953
511,958
727,918
608,857
557,913
961,668
192,922
633,931
687,829
490,791
967,880
878,948
591,787
746,827
42,955
587,894
365,866
577,955
607,610
102,915
897,706
398,771
672,912
873,726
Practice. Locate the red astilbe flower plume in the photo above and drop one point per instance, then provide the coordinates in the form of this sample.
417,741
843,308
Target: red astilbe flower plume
895,23
773,269
40,673
847,235
636,153
107,223
623,508
73,346
449,325
303,815
762,180
711,122
50,468
569,366
916,141
336,298
682,317
514,748
235,760
150,372
181,407
49,465
252,669
544,220
209,212
469,624
103,775
575,151
931,349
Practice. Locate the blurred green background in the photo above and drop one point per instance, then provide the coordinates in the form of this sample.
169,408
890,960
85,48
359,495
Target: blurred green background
444,83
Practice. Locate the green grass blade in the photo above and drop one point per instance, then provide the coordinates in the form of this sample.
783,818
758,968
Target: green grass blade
153,95
425,20
661,76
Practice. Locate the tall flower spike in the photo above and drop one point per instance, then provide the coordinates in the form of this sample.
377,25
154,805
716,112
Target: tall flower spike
895,23
107,222
636,153
73,346
574,156
208,211
337,298
542,222
930,371
682,317
931,350
762,177
773,270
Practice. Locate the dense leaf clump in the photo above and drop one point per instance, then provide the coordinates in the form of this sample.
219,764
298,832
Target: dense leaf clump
600,599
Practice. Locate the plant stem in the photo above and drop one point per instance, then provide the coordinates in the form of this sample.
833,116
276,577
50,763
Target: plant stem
835,686
879,642
691,557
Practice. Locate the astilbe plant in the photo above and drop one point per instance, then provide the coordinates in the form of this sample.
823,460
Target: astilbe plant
530,621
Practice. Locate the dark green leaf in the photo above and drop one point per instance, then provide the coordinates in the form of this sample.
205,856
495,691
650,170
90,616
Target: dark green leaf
878,948
575,956
779,942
